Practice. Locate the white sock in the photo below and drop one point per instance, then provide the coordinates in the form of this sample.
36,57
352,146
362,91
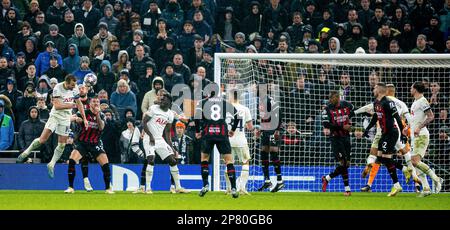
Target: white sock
347,188
34,145
176,176
397,185
149,176
227,180
371,159
426,169
407,157
244,176
328,178
423,178
59,150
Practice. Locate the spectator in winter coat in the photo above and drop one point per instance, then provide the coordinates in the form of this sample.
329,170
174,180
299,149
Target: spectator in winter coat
55,13
6,51
103,38
89,17
123,97
67,28
112,22
30,129
80,39
6,128
174,15
186,38
105,78
171,78
83,70
150,97
43,59
55,70
72,62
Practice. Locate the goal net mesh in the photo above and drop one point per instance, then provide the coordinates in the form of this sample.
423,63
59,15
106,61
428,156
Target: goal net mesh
301,86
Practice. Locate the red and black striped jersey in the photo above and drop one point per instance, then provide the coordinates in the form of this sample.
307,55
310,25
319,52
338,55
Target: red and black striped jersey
385,110
92,134
334,117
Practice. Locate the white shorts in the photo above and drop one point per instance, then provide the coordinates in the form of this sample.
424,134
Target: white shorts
58,126
243,153
420,145
376,139
161,148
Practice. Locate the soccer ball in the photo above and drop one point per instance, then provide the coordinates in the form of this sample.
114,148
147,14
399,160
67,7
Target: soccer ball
90,79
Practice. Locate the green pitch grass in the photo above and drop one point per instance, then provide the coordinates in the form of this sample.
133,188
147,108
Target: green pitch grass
43,200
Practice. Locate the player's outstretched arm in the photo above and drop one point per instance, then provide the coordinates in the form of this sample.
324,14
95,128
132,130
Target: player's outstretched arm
80,108
372,123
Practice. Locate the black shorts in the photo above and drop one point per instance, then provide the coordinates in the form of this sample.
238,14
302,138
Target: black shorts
388,141
341,148
223,145
91,151
268,139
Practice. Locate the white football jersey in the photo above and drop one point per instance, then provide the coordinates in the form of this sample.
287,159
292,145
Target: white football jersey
159,120
66,96
238,139
418,109
402,108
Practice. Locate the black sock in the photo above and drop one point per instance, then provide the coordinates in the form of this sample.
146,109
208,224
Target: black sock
398,164
337,171
231,175
265,164
344,174
71,172
143,172
205,172
84,167
277,165
390,165
106,175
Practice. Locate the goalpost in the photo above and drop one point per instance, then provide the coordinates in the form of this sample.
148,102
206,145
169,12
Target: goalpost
301,84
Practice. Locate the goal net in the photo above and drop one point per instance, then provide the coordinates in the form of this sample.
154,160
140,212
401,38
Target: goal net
301,83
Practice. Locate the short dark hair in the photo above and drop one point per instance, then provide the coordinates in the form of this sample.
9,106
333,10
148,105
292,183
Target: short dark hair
69,78
333,93
93,97
419,86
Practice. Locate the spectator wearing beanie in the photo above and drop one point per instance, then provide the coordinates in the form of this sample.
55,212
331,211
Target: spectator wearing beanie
43,59
103,38
82,70
112,22
57,38
138,39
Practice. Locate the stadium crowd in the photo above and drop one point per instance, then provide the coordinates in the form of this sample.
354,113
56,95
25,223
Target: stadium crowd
137,47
